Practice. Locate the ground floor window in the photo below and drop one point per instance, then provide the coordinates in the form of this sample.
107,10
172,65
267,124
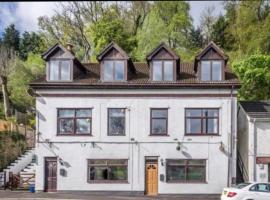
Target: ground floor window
185,170
108,170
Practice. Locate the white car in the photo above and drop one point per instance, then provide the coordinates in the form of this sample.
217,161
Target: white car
247,191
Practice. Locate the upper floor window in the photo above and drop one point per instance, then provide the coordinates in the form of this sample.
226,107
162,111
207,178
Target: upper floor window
60,70
116,121
159,121
202,121
211,70
114,70
162,70
74,121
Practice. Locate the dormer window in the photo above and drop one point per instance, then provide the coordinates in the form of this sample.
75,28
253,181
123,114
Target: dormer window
61,64
60,70
113,70
163,63
162,70
210,63
116,65
211,70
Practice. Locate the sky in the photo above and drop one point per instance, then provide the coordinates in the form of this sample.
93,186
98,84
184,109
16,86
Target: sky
25,14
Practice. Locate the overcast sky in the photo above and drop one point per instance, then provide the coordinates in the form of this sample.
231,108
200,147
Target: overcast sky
24,14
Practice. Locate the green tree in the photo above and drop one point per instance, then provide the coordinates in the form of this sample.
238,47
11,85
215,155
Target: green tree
167,22
31,42
254,74
11,38
110,28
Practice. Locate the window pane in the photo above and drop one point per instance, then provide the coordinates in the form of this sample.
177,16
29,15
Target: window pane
262,188
193,112
83,126
119,70
108,70
205,70
216,70
193,125
175,173
210,112
196,162
116,121
159,113
66,113
212,126
159,126
118,173
98,162
83,113
98,173
196,174
117,162
176,162
157,70
65,70
66,126
116,112
54,70
168,70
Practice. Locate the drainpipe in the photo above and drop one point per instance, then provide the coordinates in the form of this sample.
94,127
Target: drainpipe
255,151
231,142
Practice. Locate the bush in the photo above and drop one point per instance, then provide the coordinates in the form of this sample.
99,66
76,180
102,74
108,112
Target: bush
12,144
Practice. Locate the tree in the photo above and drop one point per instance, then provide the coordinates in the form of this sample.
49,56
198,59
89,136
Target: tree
167,22
110,28
31,42
207,22
6,58
254,73
11,38
195,38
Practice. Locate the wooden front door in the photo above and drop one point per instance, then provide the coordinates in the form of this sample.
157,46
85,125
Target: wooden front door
151,178
50,174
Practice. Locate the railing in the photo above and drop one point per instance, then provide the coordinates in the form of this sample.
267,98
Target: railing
2,180
21,181
241,166
27,179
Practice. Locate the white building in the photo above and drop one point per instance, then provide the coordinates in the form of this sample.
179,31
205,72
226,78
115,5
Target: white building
161,127
254,140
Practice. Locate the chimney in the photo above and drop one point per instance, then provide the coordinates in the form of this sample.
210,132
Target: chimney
69,47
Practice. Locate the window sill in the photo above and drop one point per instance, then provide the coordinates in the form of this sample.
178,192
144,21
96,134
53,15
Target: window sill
75,135
199,134
184,182
156,135
107,182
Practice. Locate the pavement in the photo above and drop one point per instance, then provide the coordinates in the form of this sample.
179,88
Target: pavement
25,195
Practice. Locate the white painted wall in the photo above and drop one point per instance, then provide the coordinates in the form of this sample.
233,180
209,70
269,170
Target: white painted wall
76,150
253,141
243,140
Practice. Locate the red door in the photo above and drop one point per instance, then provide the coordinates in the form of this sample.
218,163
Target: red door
50,174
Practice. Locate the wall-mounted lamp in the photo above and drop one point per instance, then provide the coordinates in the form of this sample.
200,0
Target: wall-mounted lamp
162,162
178,147
221,147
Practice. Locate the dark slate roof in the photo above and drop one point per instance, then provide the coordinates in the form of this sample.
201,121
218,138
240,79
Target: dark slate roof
187,78
256,109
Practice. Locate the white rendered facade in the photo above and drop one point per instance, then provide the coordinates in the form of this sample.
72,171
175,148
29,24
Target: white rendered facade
219,151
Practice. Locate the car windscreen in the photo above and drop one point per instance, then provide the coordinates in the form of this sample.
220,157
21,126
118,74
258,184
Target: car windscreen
242,185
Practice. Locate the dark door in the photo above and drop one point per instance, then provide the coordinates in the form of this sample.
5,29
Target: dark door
50,174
